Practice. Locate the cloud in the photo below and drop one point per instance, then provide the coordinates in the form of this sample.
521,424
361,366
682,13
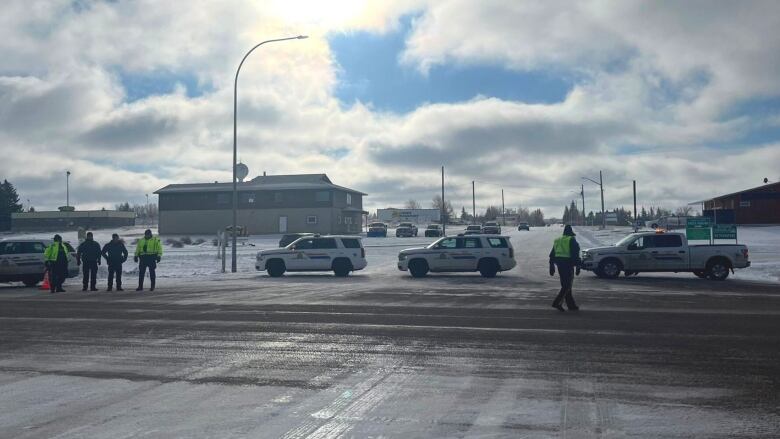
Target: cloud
654,83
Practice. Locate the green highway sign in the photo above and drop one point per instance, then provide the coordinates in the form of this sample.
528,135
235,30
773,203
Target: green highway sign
698,229
724,231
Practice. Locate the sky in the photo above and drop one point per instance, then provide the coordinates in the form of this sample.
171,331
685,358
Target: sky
528,96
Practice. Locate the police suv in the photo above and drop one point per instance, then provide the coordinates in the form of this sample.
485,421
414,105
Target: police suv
487,254
21,260
340,254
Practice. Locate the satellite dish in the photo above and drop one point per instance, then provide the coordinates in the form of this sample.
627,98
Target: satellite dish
241,171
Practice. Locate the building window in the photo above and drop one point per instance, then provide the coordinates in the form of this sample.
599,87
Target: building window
278,197
744,204
311,219
223,198
347,220
322,196
339,219
349,199
248,198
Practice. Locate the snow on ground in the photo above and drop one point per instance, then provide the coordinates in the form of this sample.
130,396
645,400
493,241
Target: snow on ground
763,242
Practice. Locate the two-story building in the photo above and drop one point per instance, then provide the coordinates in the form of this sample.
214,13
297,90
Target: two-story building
266,205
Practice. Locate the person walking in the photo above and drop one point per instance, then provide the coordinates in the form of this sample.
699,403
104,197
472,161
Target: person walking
148,253
56,259
88,256
115,254
565,254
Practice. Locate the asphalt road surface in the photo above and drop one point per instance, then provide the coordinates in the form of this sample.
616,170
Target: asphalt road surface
383,355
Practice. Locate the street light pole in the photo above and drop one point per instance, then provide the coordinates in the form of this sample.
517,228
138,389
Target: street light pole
473,204
233,263
147,209
601,186
503,209
67,188
582,192
443,209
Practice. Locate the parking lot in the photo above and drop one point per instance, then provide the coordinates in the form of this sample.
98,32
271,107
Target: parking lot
380,354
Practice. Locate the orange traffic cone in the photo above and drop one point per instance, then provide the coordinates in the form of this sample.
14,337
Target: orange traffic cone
46,285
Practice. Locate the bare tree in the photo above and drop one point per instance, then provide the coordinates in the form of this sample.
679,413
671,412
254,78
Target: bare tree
436,204
683,211
412,204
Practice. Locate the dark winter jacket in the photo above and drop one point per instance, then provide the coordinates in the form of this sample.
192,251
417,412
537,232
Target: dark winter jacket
115,252
88,252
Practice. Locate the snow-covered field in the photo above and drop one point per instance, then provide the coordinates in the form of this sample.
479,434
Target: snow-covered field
762,242
198,261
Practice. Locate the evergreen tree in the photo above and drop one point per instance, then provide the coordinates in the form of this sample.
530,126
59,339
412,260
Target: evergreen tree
9,203
536,218
566,215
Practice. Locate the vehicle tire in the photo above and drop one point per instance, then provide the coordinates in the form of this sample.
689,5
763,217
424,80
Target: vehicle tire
610,268
488,267
418,267
718,269
342,267
629,273
275,267
31,281
700,274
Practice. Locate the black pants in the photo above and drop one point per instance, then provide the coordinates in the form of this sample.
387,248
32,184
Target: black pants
145,262
89,272
58,272
566,273
114,270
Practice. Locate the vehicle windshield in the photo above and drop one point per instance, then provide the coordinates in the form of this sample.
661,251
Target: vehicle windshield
473,227
433,226
626,240
376,225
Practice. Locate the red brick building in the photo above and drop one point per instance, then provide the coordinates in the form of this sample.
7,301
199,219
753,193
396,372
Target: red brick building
759,205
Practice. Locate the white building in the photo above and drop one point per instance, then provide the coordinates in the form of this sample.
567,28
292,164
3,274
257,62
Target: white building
416,216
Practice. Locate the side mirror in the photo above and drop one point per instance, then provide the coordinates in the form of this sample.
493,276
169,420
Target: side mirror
633,246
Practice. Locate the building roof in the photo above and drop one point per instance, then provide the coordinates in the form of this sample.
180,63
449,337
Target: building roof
48,214
262,183
771,186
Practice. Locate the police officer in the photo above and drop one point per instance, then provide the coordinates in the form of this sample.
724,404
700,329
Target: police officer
148,253
88,256
116,254
56,258
565,254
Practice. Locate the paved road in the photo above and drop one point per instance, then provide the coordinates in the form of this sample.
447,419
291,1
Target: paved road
384,355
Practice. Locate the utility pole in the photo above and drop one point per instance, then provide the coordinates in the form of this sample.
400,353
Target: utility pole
67,188
473,204
582,192
635,223
603,215
443,214
503,209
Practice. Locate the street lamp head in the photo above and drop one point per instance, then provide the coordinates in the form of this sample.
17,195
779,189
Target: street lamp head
302,37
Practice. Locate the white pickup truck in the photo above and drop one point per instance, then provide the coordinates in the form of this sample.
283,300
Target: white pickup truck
664,252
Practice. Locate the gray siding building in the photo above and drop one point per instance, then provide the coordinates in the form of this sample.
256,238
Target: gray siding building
266,205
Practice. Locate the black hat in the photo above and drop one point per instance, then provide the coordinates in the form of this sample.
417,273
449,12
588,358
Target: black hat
568,231
57,238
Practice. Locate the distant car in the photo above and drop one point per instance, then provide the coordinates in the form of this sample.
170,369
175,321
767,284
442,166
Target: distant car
21,260
491,228
377,229
290,237
340,254
405,229
433,231
475,229
668,222
523,226
487,254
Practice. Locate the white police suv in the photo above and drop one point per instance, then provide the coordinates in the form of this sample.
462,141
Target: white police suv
487,254
340,254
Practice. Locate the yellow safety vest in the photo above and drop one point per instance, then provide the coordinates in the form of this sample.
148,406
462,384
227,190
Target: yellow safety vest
562,247
153,247
51,252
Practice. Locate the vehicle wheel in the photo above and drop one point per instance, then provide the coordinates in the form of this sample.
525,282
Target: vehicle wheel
275,268
31,281
342,267
488,268
700,274
717,269
610,268
629,273
418,268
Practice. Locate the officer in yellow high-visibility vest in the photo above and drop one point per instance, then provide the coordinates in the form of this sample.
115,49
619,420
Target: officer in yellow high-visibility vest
565,254
148,253
56,258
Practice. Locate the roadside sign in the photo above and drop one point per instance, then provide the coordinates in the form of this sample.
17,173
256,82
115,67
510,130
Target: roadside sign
724,231
698,229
